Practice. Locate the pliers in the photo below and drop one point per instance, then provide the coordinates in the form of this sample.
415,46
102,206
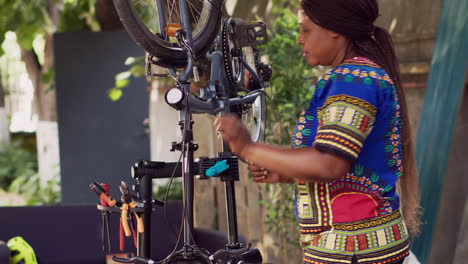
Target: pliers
102,190
127,203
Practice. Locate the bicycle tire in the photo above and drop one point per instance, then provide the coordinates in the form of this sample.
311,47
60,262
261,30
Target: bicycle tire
160,48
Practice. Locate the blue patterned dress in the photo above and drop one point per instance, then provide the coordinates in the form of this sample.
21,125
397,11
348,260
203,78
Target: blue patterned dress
355,114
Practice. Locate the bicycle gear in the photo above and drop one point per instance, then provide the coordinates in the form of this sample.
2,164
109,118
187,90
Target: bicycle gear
230,51
236,72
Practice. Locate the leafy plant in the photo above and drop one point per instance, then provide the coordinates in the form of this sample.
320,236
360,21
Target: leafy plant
35,192
290,92
18,174
175,191
16,162
136,69
78,16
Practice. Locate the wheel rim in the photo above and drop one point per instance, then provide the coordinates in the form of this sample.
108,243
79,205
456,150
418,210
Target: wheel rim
199,11
254,119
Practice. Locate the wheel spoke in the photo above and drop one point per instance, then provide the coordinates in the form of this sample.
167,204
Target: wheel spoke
197,11
141,19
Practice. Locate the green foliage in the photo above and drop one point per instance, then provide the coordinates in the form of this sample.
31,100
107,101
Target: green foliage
279,6
18,174
26,18
136,69
16,162
291,91
78,16
48,78
291,80
35,192
175,191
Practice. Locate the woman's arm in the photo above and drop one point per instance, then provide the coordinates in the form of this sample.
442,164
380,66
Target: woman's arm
306,164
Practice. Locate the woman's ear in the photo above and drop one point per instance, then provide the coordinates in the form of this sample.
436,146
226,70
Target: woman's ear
334,34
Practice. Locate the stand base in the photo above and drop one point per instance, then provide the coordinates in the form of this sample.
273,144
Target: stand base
178,258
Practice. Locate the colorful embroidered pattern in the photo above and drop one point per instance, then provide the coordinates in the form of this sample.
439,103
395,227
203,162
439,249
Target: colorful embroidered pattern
344,123
350,100
355,114
366,181
387,234
303,132
369,223
393,148
312,220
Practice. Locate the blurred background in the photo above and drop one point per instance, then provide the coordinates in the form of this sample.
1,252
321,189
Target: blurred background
75,107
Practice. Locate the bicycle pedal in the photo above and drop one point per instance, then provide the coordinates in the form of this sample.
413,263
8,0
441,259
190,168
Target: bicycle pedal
250,35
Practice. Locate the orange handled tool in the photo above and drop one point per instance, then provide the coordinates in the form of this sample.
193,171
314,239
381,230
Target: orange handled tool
102,194
124,219
140,226
126,204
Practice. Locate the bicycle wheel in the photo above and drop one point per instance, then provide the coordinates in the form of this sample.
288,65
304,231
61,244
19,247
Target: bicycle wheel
145,25
254,118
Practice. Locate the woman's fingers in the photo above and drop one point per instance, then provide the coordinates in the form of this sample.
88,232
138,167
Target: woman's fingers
260,179
259,173
253,168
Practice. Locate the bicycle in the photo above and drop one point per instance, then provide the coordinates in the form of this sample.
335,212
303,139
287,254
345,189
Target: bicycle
187,33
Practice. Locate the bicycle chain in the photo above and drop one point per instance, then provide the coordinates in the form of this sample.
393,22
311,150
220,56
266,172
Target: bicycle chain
231,52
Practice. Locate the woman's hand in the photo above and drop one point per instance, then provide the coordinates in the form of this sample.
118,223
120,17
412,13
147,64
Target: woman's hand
262,175
234,133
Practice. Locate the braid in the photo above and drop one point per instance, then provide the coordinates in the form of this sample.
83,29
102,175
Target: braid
380,50
355,20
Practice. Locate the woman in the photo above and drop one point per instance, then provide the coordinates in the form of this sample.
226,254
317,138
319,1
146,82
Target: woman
350,146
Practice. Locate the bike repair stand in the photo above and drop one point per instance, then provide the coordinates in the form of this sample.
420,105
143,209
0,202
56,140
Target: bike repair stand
179,100
145,171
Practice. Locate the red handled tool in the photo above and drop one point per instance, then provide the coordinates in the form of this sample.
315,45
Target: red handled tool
101,192
105,219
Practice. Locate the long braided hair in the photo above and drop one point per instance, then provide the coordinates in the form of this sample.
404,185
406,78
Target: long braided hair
355,19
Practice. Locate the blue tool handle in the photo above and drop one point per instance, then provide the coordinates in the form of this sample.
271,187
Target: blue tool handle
216,169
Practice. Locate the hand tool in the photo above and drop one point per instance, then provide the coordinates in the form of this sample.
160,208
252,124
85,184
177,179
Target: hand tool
105,219
127,203
101,192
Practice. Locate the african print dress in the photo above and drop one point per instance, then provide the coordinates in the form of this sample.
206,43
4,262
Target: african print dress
355,114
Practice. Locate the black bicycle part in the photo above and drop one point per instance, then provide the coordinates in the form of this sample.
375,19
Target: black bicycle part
169,54
251,34
231,52
241,55
136,260
234,256
155,169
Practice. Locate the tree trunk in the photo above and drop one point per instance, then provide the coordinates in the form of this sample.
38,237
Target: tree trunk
4,124
107,15
42,78
45,107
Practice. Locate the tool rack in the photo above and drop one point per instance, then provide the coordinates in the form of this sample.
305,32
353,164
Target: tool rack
145,171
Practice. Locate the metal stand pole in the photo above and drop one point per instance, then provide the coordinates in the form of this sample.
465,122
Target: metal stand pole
144,239
230,193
